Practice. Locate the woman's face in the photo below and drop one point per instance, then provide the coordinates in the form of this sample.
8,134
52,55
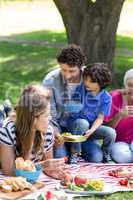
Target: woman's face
42,120
129,86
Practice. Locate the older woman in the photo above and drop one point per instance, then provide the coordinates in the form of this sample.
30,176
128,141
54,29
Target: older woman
121,118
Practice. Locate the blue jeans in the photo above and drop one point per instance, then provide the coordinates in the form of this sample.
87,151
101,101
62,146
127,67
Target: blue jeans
107,134
122,152
91,151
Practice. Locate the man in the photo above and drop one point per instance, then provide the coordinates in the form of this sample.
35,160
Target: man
63,83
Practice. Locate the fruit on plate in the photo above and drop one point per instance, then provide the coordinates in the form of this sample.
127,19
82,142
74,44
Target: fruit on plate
86,184
80,180
97,185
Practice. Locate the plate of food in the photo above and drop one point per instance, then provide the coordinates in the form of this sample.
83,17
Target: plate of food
27,169
81,185
68,137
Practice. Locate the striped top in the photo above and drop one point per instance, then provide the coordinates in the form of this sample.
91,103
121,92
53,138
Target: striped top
8,137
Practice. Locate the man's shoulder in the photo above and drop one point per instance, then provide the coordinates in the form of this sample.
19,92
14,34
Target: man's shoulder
53,74
52,77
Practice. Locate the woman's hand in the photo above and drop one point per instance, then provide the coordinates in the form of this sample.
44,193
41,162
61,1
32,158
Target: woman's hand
126,111
56,173
54,168
52,164
130,110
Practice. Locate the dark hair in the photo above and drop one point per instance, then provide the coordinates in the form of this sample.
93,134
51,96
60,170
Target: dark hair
72,55
99,73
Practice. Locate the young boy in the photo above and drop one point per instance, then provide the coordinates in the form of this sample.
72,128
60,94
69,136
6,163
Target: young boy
96,105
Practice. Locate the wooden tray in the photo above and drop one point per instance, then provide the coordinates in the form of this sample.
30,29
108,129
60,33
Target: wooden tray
20,194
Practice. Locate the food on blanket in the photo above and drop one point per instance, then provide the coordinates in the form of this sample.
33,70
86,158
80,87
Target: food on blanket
119,173
82,183
53,195
27,165
80,180
124,182
6,188
67,179
97,185
15,184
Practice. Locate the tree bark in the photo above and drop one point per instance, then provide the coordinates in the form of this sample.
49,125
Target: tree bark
93,26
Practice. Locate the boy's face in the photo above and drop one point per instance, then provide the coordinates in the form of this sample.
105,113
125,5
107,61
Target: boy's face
92,87
70,74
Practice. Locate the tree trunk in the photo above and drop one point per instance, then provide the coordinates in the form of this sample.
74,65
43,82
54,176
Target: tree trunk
93,26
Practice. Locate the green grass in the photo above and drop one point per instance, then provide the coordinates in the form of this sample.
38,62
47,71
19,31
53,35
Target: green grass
51,37
117,196
21,64
124,42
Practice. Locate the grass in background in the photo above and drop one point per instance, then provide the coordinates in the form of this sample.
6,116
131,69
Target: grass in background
49,36
21,64
124,42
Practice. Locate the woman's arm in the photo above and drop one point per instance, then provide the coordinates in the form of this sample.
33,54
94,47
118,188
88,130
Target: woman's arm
116,119
7,159
48,154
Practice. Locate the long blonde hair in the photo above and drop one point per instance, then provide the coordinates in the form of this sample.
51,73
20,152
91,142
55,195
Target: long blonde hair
33,100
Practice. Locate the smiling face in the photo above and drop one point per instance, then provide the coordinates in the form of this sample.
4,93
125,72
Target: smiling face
70,74
129,86
91,86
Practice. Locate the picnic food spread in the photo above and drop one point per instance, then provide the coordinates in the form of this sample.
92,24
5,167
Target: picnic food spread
81,183
27,169
15,184
27,165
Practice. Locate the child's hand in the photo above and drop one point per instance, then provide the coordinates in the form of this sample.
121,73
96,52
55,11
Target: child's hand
88,133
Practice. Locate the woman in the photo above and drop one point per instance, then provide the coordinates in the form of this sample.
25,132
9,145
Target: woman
121,118
30,136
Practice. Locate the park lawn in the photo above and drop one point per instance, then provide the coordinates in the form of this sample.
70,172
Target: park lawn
24,63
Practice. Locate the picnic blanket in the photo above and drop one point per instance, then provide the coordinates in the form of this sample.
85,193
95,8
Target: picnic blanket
91,170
